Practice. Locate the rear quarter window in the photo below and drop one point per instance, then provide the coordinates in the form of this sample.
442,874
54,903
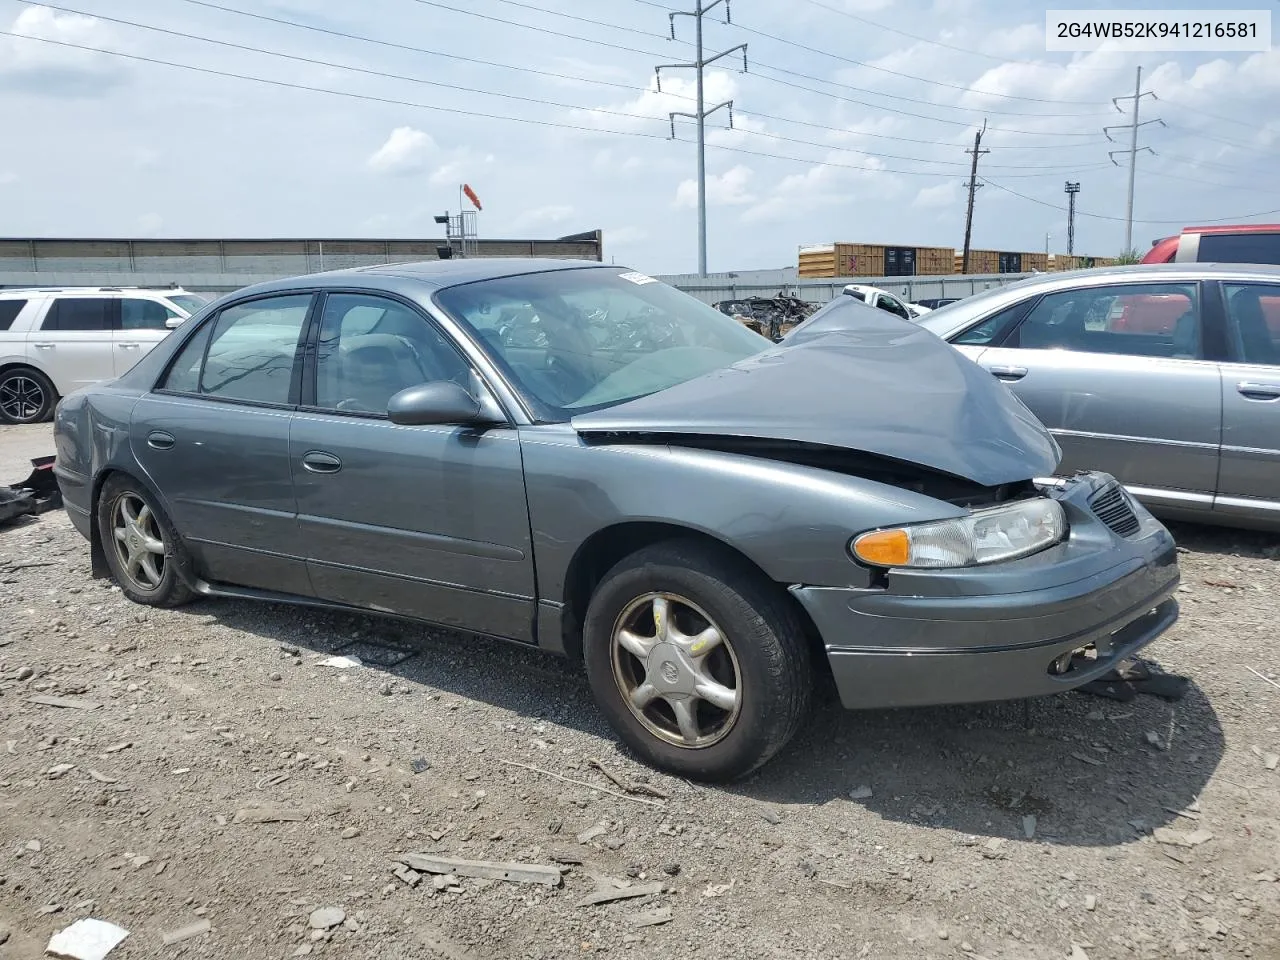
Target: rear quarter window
9,310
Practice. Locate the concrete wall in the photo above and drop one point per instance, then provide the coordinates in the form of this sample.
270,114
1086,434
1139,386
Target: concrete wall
219,266
711,289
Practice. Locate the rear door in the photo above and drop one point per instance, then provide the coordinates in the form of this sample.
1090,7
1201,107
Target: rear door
72,343
141,327
1249,481
214,439
1119,376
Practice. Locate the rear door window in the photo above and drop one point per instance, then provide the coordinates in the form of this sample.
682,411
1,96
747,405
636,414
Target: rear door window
1253,314
1239,248
79,313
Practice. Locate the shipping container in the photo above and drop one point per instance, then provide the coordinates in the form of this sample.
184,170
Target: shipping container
873,260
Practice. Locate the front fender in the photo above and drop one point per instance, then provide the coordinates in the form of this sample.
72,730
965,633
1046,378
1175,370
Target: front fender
793,522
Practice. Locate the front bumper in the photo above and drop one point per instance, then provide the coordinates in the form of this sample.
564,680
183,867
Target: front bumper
980,634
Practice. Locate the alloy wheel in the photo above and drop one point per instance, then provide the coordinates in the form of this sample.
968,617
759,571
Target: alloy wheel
21,398
138,544
676,670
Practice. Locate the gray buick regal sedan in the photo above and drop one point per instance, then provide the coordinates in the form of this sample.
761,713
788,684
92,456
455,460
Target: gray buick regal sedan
583,459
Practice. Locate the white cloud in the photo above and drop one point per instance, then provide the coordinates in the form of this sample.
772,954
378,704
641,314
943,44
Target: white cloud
724,189
543,216
625,236
461,168
149,224
940,195
48,69
406,151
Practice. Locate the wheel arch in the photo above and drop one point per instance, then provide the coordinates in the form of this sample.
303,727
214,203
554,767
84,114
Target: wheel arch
97,554
605,548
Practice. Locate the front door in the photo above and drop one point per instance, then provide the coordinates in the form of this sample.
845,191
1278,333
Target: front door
141,327
214,439
1249,481
423,521
1117,373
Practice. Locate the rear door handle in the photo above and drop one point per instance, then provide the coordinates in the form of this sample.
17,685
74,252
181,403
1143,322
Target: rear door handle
43,346
319,462
1008,374
160,440
129,346
1258,391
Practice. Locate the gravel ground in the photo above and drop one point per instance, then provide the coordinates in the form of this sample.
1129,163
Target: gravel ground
1004,831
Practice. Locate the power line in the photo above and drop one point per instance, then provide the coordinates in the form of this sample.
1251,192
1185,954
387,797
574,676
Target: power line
311,61
466,113
631,88
1099,216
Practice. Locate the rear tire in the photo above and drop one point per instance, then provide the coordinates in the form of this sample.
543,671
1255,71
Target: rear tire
142,547
26,396
697,660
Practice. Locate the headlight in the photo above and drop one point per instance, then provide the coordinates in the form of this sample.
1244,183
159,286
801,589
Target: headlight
985,536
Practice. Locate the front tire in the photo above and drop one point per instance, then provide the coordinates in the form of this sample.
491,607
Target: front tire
142,548
697,660
26,396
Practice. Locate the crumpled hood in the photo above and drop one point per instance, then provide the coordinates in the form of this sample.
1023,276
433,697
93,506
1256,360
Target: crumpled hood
879,385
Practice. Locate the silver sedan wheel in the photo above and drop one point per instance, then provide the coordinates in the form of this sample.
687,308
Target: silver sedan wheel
676,670
21,398
138,544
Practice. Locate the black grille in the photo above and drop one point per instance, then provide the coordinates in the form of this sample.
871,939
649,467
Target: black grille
1112,507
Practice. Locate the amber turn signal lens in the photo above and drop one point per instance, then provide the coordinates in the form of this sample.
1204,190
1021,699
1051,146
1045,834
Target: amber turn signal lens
883,548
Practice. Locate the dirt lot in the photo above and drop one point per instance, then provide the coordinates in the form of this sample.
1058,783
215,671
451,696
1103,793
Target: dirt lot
981,832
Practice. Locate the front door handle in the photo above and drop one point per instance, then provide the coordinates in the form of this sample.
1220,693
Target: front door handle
159,440
128,346
319,462
1008,374
43,346
1258,391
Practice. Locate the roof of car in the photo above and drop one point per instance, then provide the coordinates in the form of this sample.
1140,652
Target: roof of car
1163,271
434,273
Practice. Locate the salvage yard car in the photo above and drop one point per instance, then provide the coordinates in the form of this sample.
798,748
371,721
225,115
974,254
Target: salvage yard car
698,516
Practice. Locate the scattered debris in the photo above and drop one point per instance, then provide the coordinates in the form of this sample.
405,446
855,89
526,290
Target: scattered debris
671,869
486,869
1090,902
1212,927
269,815
652,918
1153,738
580,783
610,894
1266,876
33,846
419,765
189,932
59,770
1077,952
1029,826
101,777
326,918
1176,838
720,889
861,793
406,875
770,817
340,663
117,747
993,849
86,939
1085,758
64,703
1263,677
623,785
591,833
350,833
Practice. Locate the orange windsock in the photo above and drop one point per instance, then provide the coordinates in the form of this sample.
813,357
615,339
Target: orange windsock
471,195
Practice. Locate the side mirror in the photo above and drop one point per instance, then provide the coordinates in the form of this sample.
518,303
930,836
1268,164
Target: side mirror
173,323
439,402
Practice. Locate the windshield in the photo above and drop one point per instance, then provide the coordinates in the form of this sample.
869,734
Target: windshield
578,340
190,302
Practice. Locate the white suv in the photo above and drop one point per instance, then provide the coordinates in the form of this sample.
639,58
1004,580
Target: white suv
54,340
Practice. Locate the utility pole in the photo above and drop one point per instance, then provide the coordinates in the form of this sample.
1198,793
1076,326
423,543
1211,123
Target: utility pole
700,10
1072,188
1133,150
973,186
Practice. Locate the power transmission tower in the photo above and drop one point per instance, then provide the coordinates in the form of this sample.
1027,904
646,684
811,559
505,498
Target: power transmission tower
973,186
700,115
1133,150
1072,188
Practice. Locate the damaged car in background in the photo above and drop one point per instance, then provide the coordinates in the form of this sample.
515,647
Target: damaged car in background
771,317
370,440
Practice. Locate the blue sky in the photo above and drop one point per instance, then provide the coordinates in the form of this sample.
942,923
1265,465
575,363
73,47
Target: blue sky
850,125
